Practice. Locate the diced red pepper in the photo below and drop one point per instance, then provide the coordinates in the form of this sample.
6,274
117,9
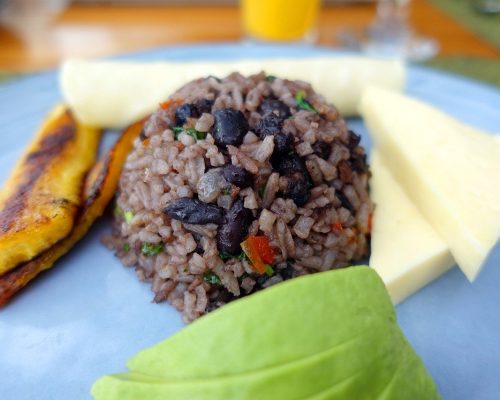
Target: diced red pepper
259,252
262,243
337,227
168,103
253,256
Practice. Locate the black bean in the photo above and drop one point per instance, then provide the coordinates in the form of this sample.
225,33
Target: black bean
261,280
297,188
194,211
269,124
288,164
184,112
204,106
211,306
276,106
358,162
225,296
222,297
353,140
234,229
230,127
297,179
197,238
288,272
344,201
322,149
237,176
283,143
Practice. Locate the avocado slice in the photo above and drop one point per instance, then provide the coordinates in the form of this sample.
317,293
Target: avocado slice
280,318
331,335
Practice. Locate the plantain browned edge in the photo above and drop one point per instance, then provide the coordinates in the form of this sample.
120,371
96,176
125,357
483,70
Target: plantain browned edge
36,163
100,187
40,201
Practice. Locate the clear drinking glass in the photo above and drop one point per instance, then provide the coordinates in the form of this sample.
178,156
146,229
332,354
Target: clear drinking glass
30,21
390,34
29,15
487,6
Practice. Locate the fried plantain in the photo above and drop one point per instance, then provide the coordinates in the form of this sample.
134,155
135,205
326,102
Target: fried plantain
100,187
41,199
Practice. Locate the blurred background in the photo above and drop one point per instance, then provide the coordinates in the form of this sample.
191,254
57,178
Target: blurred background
458,35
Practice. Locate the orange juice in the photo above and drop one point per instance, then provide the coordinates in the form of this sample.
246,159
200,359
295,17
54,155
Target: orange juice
279,20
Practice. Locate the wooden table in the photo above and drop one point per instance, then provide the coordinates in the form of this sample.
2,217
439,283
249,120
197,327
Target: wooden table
85,31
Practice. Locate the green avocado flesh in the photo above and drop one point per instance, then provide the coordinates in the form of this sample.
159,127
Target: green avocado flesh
331,335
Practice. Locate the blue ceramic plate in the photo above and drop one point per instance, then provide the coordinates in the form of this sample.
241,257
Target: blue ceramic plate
88,315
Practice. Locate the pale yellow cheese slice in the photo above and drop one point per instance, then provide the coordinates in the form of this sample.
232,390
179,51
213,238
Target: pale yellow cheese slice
113,94
405,250
450,171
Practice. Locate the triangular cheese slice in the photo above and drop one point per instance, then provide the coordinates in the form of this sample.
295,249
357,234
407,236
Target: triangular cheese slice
405,250
450,171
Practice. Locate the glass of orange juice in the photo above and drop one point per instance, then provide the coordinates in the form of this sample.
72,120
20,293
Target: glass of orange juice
280,20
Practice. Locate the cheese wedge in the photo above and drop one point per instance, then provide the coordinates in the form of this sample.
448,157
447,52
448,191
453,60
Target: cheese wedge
406,251
113,94
450,171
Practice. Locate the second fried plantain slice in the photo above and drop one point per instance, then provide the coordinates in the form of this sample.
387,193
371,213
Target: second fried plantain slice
41,198
100,187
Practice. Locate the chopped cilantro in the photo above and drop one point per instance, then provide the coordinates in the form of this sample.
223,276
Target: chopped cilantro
126,247
302,103
151,249
269,270
227,190
261,190
210,277
270,78
197,135
226,256
177,130
243,276
118,211
128,215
